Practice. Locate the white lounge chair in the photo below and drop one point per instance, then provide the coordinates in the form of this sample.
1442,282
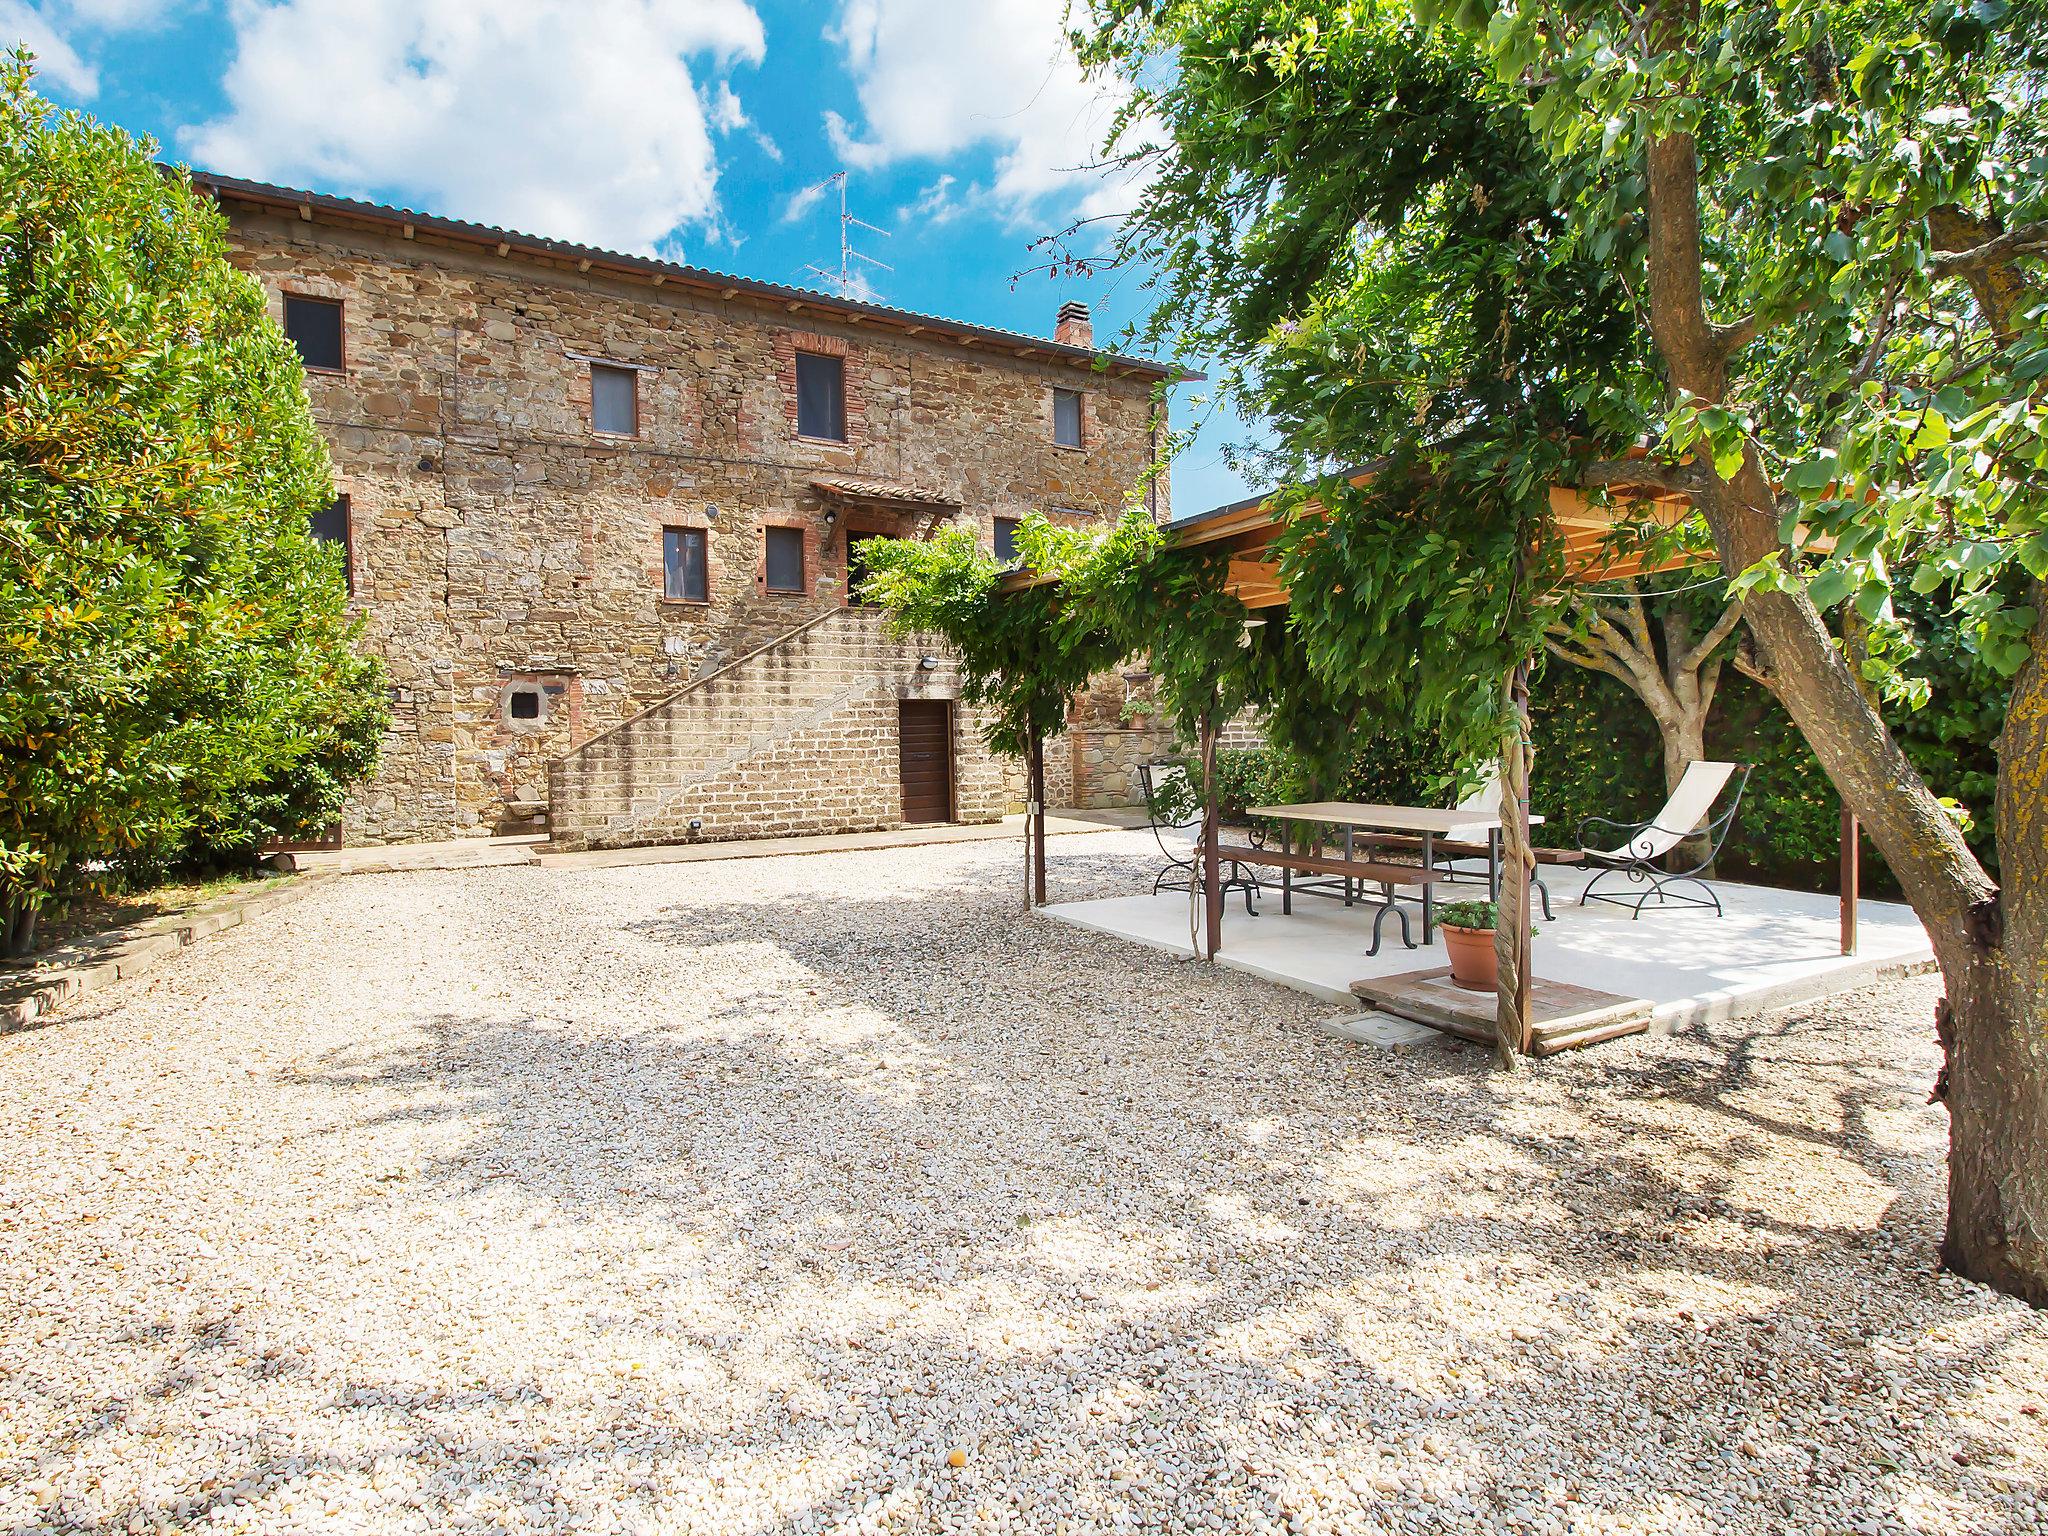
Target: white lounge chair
1687,813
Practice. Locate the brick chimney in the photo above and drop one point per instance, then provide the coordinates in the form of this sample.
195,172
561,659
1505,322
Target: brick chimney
1075,328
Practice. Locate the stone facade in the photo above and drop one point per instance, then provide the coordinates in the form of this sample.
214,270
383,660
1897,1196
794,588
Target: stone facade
508,558
798,738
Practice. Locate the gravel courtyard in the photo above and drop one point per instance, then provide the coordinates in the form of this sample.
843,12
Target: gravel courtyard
831,1194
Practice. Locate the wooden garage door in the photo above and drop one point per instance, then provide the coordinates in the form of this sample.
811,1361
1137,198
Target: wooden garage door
925,756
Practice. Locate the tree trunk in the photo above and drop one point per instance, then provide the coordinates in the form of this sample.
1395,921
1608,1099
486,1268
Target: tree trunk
17,927
1993,1021
1994,1025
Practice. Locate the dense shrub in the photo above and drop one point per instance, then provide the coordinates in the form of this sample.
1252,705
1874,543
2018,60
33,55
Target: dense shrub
177,668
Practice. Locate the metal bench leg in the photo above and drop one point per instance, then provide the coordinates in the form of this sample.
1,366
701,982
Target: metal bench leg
1407,938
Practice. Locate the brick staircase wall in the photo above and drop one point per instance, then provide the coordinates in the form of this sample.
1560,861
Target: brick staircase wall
797,737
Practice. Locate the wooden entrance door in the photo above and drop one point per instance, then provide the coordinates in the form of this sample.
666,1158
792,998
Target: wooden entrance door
924,747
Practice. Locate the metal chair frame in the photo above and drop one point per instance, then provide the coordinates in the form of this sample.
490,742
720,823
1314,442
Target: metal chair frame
1191,866
1639,869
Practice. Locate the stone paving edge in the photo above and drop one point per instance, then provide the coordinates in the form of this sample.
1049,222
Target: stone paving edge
30,996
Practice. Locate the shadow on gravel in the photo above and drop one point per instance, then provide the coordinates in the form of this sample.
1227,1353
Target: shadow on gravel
977,1126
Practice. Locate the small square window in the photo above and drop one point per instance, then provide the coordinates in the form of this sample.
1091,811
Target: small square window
614,400
783,559
1006,540
821,396
526,704
686,575
1066,417
330,526
314,326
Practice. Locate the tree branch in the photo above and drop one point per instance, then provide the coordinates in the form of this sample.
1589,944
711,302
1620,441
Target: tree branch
2027,240
1621,474
1710,642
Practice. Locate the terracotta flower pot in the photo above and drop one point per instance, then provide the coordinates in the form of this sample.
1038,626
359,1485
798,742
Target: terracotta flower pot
1472,958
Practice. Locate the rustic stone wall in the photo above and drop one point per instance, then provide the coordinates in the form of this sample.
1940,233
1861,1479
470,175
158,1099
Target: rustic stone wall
798,738
497,540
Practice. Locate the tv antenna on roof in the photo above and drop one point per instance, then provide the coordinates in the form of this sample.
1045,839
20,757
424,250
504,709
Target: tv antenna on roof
850,277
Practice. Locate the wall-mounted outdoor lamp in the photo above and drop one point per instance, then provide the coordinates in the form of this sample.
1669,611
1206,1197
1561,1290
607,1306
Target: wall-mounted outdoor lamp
927,663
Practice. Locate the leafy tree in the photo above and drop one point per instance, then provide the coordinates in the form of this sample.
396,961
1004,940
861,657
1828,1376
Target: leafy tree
175,652
1794,248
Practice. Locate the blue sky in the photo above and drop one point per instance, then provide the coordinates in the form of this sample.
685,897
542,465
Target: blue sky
686,127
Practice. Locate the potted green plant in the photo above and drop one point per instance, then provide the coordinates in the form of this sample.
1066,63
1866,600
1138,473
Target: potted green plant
1467,927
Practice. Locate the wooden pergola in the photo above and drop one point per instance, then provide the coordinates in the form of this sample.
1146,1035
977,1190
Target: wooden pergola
1246,532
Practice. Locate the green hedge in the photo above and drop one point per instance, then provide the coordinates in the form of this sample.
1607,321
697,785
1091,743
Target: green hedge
1597,753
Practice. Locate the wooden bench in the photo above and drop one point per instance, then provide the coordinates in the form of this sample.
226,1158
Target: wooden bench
1366,871
1319,864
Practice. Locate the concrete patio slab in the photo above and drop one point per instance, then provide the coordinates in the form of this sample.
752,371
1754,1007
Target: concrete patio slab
1770,948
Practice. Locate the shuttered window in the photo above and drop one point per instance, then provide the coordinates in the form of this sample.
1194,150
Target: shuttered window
783,559
1066,417
686,574
614,400
314,326
821,396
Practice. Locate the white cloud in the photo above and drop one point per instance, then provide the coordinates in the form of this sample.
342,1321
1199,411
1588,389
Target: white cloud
37,28
934,204
801,203
562,118
936,77
50,28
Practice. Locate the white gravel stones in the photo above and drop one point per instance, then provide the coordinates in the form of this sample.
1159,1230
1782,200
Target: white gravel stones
827,1194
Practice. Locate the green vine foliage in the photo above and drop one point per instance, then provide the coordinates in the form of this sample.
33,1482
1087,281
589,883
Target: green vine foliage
1024,653
1360,218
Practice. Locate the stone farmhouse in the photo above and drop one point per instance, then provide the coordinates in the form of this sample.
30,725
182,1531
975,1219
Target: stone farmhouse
603,514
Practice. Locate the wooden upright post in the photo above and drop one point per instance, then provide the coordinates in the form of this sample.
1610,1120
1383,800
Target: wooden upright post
1852,876
1038,815
1030,757
1212,877
1513,1029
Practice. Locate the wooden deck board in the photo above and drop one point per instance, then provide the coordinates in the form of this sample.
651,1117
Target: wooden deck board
1565,1015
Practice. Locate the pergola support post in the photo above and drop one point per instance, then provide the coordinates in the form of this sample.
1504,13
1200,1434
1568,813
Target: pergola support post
1212,877
1037,817
1852,876
1513,1028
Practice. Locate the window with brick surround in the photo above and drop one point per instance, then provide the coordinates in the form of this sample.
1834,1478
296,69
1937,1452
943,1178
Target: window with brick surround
614,400
314,326
782,559
686,572
1066,417
330,526
1006,540
821,396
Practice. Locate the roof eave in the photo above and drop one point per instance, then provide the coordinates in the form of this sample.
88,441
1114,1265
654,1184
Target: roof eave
507,243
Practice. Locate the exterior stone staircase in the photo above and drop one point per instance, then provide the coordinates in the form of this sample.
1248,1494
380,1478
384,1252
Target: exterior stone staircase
799,736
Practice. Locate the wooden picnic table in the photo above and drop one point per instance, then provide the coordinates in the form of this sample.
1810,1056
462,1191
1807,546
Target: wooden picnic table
1417,826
